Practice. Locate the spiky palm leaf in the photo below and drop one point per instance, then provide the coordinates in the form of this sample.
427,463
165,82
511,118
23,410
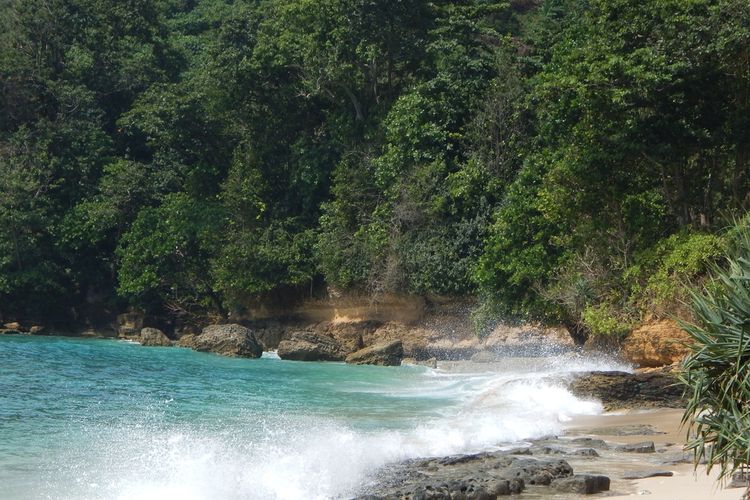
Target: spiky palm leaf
717,373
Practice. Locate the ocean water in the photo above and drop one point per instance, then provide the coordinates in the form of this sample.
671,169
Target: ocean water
106,419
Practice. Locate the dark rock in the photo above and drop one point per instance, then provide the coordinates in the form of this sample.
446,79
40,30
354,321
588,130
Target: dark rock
645,447
582,484
8,331
533,471
388,354
591,442
154,337
308,346
551,450
519,451
618,390
229,340
585,452
478,476
643,474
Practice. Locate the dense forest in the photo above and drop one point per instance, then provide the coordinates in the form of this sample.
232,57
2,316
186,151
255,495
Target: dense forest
570,161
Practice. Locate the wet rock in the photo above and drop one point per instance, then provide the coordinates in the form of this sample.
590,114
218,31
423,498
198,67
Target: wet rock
644,447
482,475
591,442
229,340
309,346
582,484
154,337
387,354
644,474
540,472
519,451
617,390
585,452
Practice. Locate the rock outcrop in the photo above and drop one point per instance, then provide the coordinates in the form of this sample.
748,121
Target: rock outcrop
129,325
154,337
188,341
229,340
309,346
618,390
385,354
655,344
479,476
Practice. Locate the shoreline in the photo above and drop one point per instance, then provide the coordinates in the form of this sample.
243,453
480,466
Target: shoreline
662,426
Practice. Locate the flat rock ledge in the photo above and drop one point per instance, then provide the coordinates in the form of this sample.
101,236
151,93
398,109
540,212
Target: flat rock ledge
621,390
481,476
385,354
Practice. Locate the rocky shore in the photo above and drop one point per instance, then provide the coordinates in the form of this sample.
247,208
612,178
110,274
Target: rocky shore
582,462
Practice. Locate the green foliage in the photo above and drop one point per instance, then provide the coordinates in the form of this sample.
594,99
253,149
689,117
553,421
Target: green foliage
661,277
165,255
602,321
717,372
565,159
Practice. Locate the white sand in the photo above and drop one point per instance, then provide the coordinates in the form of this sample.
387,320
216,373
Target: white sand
686,484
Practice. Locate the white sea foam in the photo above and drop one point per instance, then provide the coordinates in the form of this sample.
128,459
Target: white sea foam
301,456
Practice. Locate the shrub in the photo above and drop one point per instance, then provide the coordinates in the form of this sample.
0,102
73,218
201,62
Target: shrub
716,373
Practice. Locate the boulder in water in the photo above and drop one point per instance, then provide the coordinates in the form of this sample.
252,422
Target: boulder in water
229,340
386,354
309,346
154,337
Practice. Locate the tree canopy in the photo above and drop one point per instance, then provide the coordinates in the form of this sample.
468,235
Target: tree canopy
550,157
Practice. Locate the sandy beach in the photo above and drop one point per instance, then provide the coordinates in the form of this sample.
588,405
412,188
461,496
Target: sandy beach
663,428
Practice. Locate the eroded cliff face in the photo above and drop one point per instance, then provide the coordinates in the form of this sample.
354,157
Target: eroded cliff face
427,328
655,344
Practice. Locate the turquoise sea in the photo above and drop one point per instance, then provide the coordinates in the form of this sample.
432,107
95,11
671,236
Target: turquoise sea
107,419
